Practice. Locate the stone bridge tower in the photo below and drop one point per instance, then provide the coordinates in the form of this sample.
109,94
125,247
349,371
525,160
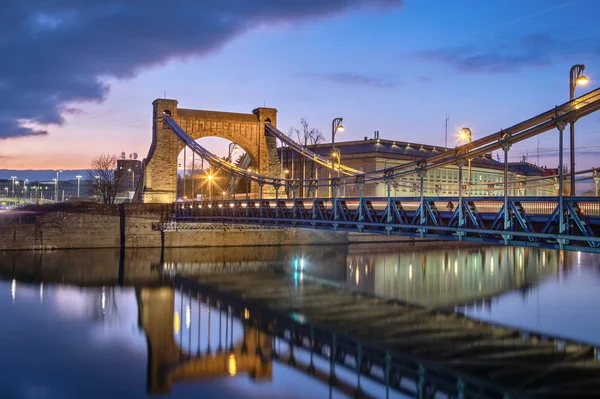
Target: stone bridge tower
159,182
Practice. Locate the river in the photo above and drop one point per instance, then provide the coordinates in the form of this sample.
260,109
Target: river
71,326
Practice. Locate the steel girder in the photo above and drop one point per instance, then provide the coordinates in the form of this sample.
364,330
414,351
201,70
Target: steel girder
532,221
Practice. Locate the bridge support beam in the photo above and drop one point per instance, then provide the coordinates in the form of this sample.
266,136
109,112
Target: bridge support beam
562,224
461,217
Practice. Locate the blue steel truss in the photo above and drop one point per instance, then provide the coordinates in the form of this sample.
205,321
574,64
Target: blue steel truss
527,221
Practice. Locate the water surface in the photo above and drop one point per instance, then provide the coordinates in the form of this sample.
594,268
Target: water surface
71,322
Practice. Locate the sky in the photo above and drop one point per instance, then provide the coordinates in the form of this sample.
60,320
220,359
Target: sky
79,76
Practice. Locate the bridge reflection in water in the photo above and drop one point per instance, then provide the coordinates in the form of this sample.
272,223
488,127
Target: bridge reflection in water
174,358
190,337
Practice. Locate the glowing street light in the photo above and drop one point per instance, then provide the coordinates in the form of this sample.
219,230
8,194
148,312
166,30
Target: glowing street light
576,77
466,135
209,179
78,177
336,126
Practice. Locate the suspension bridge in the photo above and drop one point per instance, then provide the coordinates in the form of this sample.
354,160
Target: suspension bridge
553,222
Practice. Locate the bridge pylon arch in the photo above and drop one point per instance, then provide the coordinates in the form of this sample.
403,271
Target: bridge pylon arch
159,182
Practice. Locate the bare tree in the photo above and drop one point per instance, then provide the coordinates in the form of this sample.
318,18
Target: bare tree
306,136
105,177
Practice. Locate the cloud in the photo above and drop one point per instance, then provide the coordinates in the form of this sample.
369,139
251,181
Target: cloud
533,51
351,78
59,53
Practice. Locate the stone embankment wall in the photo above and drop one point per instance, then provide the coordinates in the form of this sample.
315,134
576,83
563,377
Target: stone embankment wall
134,226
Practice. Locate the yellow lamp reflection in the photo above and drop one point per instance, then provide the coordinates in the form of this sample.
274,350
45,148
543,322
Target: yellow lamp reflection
232,365
246,314
177,322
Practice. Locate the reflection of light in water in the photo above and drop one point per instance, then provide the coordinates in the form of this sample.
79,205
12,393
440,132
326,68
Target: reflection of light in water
543,258
357,275
578,257
246,314
520,261
103,299
410,272
41,292
232,365
188,316
480,286
456,267
177,322
13,289
491,270
302,264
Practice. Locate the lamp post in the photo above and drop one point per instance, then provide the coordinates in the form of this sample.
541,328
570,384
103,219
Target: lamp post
210,179
78,177
25,189
336,126
465,134
338,155
13,186
233,147
576,77
56,186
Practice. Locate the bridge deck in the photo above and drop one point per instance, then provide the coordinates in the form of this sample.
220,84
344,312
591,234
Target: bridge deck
412,349
545,222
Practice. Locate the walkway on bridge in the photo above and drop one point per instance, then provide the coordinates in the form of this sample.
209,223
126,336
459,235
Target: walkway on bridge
413,349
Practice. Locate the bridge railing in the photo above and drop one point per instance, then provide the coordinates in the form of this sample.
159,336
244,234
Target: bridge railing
549,222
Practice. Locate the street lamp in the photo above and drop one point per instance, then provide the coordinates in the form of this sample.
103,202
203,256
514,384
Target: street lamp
210,179
78,177
336,126
56,186
13,186
576,77
466,135
233,147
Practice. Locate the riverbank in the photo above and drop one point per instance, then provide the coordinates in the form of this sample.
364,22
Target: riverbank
85,225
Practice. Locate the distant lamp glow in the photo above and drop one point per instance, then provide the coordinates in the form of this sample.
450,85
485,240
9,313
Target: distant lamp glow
210,177
179,167
286,172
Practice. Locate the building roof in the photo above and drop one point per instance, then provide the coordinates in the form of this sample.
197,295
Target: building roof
393,149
